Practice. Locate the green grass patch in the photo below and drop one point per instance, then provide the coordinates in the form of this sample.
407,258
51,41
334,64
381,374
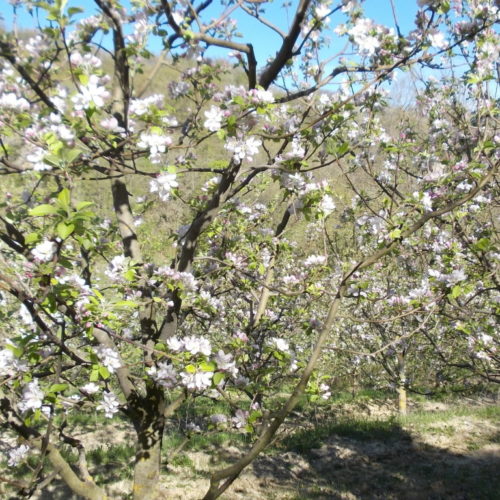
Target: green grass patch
426,418
358,429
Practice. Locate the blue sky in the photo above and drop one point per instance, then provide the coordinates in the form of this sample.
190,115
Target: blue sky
265,41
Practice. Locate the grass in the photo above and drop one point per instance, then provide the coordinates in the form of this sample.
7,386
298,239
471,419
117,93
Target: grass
423,419
359,429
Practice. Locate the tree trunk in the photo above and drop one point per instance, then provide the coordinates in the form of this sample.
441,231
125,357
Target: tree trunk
402,395
149,429
402,399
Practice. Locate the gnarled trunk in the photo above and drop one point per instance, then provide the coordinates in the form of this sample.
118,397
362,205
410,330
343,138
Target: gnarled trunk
402,395
149,428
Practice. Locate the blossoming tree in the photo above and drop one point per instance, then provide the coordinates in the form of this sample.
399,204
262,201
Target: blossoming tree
257,272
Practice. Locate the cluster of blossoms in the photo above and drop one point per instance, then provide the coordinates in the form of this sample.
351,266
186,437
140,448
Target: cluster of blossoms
141,107
163,184
214,116
10,101
18,455
449,279
170,374
142,29
243,148
156,143
108,357
88,63
315,260
184,279
110,404
45,251
192,344
92,94
309,194
116,267
32,397
10,365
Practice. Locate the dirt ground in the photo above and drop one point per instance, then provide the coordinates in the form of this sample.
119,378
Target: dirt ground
457,458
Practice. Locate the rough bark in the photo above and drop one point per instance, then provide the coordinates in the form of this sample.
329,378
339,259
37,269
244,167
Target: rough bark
149,423
147,464
402,395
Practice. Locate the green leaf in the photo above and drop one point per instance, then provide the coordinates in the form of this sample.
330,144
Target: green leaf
42,210
104,372
84,79
218,378
64,198
94,374
58,387
64,230
190,369
456,291
343,148
395,234
129,275
31,238
278,355
221,134
72,154
52,160
127,304
208,366
482,244
83,204
74,10
255,415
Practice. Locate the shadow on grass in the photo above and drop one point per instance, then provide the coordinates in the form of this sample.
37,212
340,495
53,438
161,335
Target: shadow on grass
361,459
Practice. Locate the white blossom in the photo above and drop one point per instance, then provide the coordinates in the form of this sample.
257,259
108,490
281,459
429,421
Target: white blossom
93,93
225,362
164,374
174,344
280,344
11,101
438,40
327,205
111,124
116,267
261,96
44,251
140,107
218,418
108,357
109,404
243,149
156,143
17,455
197,345
32,397
36,157
325,391
361,33
315,260
240,419
214,119
9,364
90,388
163,185
197,381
